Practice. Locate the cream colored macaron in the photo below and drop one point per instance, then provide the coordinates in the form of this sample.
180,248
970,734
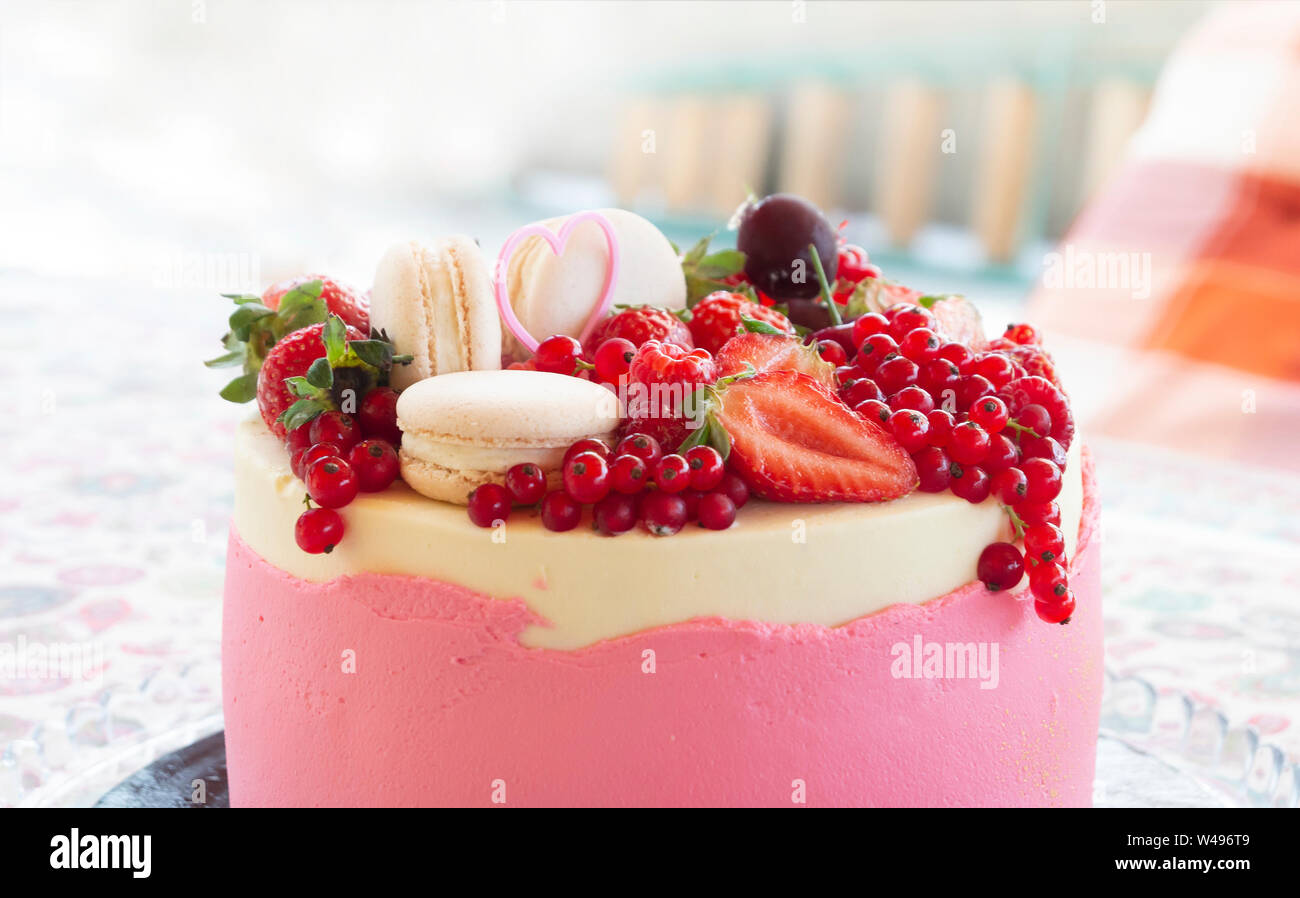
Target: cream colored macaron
436,303
556,294
462,430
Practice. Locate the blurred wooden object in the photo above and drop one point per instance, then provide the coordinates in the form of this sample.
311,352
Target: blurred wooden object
635,170
694,154
1004,168
1117,110
909,150
815,130
739,151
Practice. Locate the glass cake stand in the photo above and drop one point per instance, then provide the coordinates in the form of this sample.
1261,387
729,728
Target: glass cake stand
1155,749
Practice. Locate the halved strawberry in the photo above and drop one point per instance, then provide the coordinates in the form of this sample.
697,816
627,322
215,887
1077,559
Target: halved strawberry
792,440
774,352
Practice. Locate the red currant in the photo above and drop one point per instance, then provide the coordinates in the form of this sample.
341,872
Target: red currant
336,428
628,474
895,373
643,446
1003,453
938,376
1044,479
920,345
997,368
1032,513
989,412
969,443
1035,418
933,467
1044,542
298,438
1044,447
558,355
588,444
1000,567
874,410
586,477
331,482
941,425
377,415
560,512
716,511
972,388
833,352
910,428
868,324
612,359
860,391
1023,334
488,504
616,513
735,488
958,353
853,264
526,483
1049,581
663,513
1009,486
908,318
672,473
318,530
873,350
1056,612
969,482
376,464
706,467
914,398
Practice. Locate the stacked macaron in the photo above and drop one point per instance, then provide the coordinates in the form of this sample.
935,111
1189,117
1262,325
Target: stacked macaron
462,430
435,303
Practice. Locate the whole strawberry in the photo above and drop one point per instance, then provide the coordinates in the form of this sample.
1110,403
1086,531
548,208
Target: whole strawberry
717,318
641,324
291,357
348,303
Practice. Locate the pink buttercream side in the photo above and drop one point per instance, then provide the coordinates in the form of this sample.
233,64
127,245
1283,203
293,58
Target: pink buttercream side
445,707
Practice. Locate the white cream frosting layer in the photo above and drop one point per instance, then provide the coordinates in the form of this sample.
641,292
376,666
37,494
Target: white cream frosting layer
780,563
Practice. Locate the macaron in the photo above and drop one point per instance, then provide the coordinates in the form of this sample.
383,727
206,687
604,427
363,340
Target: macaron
436,303
465,429
556,294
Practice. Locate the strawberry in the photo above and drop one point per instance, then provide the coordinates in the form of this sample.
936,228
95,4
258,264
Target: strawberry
640,324
792,440
259,322
320,368
774,352
717,318
347,302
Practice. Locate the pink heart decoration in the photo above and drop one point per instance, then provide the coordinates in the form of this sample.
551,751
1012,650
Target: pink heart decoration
557,242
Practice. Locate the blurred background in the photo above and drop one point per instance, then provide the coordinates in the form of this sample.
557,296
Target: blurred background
1124,174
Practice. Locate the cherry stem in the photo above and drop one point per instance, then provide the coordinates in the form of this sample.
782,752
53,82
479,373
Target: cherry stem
825,287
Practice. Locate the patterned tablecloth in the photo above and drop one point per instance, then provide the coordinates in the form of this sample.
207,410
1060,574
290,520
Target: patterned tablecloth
118,488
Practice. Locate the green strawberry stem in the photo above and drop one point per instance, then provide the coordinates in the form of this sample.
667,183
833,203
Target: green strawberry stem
827,297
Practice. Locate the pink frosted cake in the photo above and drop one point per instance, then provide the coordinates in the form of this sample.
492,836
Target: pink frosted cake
811,543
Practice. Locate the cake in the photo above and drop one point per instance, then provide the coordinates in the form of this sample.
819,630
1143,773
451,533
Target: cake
793,581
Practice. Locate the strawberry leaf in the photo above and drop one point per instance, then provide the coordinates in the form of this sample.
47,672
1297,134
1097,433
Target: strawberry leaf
301,412
241,389
754,326
377,353
243,318
320,374
234,357
335,338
